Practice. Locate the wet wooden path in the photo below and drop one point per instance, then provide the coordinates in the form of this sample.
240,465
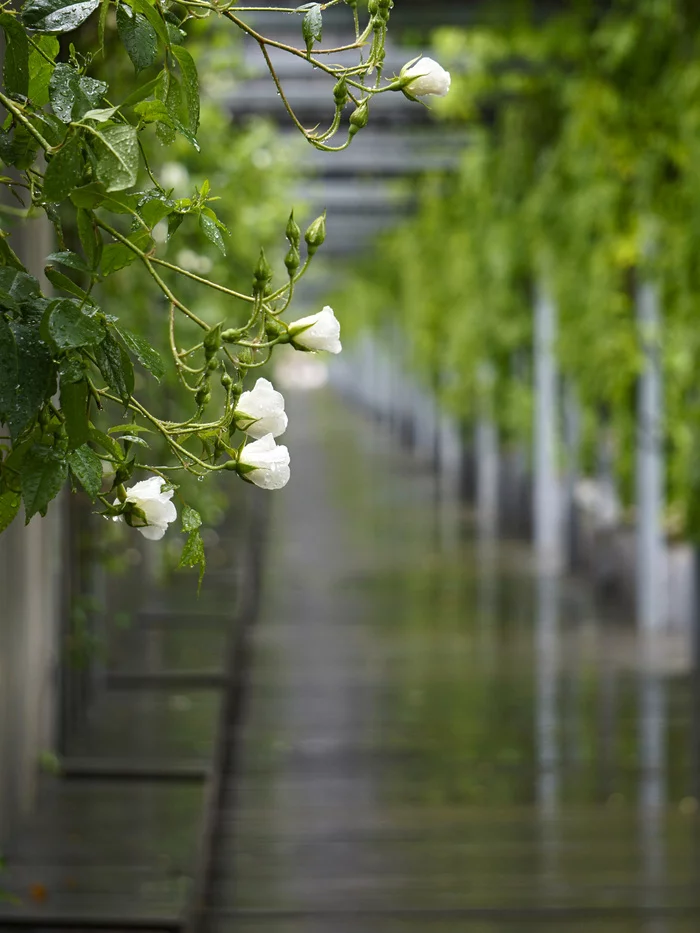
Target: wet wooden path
435,740
419,736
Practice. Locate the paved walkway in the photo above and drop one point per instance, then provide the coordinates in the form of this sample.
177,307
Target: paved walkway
434,740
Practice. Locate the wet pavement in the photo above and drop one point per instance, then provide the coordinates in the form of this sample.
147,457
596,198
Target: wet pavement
437,740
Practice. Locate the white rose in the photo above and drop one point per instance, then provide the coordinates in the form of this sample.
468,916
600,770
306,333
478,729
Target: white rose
261,411
317,332
155,505
267,463
427,78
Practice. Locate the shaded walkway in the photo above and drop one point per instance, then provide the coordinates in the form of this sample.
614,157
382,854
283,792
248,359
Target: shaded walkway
435,741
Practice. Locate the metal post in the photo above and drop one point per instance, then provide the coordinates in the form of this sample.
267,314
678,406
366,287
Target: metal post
487,466
546,485
572,444
651,608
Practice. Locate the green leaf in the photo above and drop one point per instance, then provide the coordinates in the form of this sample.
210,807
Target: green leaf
95,195
211,231
141,92
148,357
36,376
64,172
154,206
59,280
107,443
116,256
101,115
132,427
152,14
71,94
16,287
40,70
90,237
8,369
191,519
18,147
15,68
57,16
116,368
139,37
10,502
170,93
74,396
86,466
70,259
7,254
70,325
193,553
190,85
43,474
118,156
312,26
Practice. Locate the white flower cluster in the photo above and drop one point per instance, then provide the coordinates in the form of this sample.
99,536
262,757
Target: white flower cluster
260,414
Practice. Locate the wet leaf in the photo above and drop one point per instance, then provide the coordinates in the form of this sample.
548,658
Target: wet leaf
43,474
118,156
57,16
70,326
15,69
139,37
86,466
71,94
64,172
144,352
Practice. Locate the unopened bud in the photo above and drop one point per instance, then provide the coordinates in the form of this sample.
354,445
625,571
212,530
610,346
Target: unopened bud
212,341
316,234
245,356
273,328
293,231
231,335
203,396
292,261
226,380
359,118
340,93
262,274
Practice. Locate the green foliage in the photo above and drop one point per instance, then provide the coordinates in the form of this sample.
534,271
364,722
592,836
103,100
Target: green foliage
86,118
579,175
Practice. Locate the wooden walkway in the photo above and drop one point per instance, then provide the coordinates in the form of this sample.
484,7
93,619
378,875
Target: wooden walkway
433,741
415,735
122,834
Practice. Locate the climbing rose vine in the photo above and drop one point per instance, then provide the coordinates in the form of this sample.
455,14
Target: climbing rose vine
70,409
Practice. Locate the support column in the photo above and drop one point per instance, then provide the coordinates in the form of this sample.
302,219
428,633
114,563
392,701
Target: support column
487,466
547,517
651,601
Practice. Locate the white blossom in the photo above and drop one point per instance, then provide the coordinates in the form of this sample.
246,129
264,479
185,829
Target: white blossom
428,78
267,463
319,331
148,495
260,411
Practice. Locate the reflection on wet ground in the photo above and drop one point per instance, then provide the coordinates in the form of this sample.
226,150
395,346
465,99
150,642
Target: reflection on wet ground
436,740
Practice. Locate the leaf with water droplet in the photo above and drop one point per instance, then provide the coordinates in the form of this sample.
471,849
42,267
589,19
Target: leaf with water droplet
117,150
71,94
57,16
138,36
69,325
8,369
43,474
15,69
